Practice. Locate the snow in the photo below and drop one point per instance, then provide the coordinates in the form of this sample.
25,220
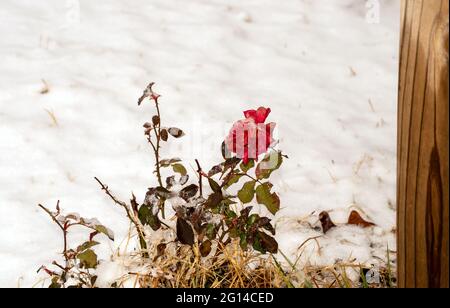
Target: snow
328,73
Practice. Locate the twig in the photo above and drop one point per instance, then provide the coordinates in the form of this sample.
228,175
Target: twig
128,212
200,179
63,228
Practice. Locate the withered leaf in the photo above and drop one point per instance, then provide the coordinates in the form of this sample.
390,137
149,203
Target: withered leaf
164,135
185,234
170,182
215,170
205,248
356,219
155,120
160,250
326,222
268,243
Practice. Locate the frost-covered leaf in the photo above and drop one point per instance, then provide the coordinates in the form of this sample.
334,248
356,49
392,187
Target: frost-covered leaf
271,162
215,170
87,245
184,179
265,197
176,132
73,216
102,229
247,193
188,192
168,162
162,192
170,182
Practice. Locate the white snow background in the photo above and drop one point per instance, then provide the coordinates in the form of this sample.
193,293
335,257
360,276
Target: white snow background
326,68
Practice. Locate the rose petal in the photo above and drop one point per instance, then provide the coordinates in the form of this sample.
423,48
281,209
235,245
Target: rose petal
262,114
259,116
250,114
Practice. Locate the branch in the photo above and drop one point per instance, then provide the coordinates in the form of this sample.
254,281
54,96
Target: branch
62,227
200,179
127,210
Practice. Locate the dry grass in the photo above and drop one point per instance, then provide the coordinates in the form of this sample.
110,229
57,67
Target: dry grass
182,267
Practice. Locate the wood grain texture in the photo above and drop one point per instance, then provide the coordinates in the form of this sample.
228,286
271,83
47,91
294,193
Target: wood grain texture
422,192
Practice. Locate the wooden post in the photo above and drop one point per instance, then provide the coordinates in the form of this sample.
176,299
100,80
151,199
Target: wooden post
422,192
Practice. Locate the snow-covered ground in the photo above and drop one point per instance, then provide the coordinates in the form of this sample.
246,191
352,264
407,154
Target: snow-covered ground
327,69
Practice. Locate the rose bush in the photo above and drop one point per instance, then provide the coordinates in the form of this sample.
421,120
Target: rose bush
209,215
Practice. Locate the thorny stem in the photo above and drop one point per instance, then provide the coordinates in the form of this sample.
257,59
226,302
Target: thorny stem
200,179
153,96
158,146
128,212
63,228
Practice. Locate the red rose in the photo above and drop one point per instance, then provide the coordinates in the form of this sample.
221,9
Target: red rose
250,138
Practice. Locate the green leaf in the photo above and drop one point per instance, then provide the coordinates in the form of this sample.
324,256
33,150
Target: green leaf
254,218
257,246
87,245
168,162
214,186
248,166
55,284
228,202
88,259
230,214
147,218
247,193
105,231
265,197
243,242
179,168
234,233
269,164
211,231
